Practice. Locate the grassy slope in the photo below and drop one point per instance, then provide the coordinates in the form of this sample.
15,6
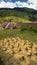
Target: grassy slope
28,35
18,15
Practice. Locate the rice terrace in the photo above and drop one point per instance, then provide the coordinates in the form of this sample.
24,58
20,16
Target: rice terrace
18,36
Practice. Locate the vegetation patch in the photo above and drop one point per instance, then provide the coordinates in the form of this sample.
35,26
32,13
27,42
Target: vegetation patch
25,15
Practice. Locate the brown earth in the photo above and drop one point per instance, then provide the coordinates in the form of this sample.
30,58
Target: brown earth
18,24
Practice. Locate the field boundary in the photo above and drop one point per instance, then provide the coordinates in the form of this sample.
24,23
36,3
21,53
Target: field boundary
4,24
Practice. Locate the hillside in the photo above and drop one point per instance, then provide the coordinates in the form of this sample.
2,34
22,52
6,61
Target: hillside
18,15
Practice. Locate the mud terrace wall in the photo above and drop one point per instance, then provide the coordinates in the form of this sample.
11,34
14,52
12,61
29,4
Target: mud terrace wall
10,24
14,51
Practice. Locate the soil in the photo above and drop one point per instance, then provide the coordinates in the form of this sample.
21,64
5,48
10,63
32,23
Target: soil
4,24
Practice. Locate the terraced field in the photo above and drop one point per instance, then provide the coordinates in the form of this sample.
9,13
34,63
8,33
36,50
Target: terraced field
14,51
10,24
25,15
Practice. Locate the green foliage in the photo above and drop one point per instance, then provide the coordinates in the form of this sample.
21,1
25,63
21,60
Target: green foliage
22,28
30,28
14,27
18,15
27,35
33,29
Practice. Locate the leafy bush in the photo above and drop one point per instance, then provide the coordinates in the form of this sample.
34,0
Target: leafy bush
22,28
14,27
32,29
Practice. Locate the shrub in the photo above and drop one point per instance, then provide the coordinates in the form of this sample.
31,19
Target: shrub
14,27
32,29
22,28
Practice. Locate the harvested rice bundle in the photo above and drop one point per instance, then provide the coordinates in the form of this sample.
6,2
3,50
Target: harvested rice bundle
18,51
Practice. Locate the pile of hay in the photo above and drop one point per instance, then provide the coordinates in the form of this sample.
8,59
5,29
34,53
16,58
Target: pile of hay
15,51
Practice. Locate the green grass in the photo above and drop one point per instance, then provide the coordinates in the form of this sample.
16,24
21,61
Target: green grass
18,15
14,19
27,35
